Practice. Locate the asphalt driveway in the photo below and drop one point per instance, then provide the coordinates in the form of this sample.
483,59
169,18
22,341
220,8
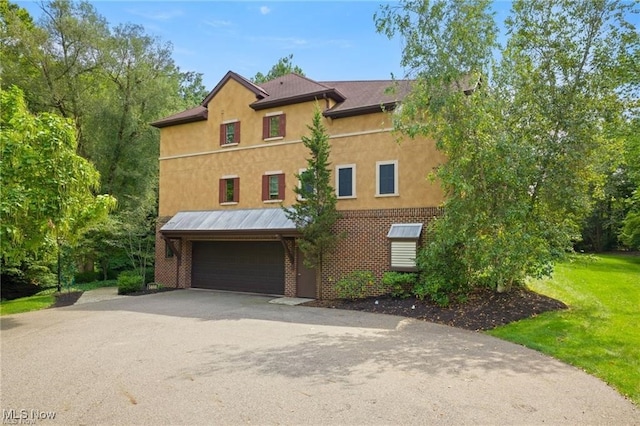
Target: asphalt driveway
199,357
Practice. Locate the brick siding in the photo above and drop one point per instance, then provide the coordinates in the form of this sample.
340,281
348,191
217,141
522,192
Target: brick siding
365,248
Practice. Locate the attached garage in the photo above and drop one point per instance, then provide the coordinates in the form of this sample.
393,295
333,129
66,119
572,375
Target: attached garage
235,250
250,266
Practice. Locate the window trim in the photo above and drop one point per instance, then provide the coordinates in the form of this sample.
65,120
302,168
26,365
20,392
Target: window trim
353,181
222,199
396,185
266,196
266,126
236,133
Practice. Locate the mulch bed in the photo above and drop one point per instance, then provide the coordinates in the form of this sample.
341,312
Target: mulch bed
151,291
484,310
67,298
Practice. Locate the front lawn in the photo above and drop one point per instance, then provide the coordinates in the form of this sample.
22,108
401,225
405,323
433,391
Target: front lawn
47,297
26,304
600,332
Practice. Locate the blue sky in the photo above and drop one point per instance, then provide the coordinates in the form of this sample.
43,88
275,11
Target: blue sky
330,40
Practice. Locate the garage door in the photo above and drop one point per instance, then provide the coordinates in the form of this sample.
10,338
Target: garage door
255,266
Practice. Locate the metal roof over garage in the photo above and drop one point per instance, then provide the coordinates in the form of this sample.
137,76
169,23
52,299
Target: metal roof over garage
405,231
271,221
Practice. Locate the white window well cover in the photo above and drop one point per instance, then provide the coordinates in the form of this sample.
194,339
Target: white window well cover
405,231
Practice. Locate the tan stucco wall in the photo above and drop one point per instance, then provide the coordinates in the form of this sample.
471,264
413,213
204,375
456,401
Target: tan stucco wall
190,182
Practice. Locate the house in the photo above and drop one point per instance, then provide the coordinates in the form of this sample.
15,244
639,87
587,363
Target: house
228,166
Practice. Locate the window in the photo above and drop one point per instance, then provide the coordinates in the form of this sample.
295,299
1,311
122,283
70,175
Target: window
229,189
346,181
273,186
168,253
305,183
404,245
273,126
387,178
230,133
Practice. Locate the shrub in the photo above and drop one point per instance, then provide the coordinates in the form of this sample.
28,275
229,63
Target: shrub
87,277
441,273
356,285
399,284
129,282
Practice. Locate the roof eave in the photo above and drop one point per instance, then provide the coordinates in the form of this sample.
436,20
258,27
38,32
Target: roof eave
202,116
362,110
230,75
305,97
285,232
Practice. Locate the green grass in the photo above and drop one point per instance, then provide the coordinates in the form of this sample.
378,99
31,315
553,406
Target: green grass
46,297
600,332
26,304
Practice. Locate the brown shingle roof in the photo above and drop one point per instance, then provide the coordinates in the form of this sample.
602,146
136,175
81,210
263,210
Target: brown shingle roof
351,97
367,96
294,88
198,113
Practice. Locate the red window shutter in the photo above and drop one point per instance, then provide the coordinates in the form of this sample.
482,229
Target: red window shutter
265,187
281,187
265,127
236,132
223,134
283,123
236,190
223,190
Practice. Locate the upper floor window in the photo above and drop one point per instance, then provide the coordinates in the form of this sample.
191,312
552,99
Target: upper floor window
229,189
274,125
305,183
273,186
230,132
346,181
387,178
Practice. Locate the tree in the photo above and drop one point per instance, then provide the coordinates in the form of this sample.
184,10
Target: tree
315,211
284,66
523,137
111,82
47,189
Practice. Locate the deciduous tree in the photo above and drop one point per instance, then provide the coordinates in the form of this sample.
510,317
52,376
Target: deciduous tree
523,136
284,66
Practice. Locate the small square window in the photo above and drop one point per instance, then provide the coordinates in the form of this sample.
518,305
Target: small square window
229,189
273,126
273,187
230,133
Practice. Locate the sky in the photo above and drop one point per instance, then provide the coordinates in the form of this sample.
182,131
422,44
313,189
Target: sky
329,40
334,40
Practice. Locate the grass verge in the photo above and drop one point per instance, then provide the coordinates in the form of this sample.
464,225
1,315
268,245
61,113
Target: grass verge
600,332
46,297
26,304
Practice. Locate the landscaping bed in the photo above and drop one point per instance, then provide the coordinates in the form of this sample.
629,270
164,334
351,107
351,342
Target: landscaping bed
484,310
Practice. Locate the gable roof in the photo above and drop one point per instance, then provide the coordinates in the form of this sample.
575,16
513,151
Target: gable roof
294,88
230,75
351,97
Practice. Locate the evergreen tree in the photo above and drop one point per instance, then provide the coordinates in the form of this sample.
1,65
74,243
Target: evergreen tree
315,211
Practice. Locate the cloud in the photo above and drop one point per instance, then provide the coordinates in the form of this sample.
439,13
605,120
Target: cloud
264,10
217,23
163,15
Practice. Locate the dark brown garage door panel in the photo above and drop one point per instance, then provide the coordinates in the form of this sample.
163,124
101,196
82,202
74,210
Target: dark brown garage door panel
251,266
